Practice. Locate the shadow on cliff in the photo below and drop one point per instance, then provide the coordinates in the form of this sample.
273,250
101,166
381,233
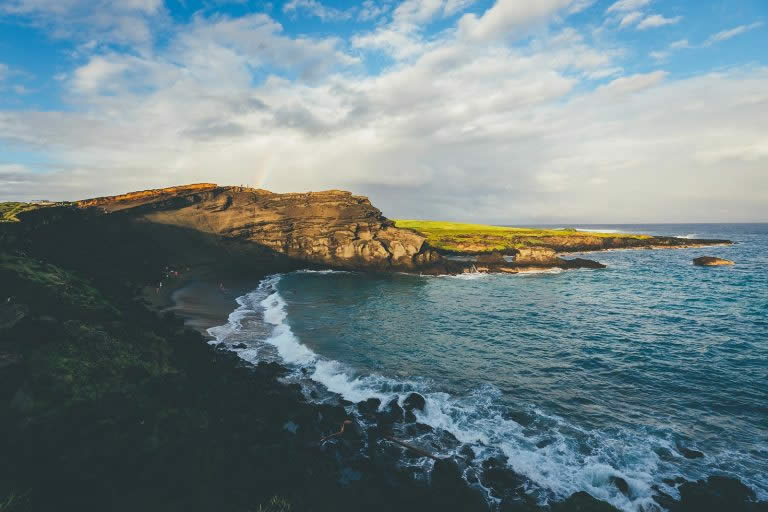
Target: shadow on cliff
118,250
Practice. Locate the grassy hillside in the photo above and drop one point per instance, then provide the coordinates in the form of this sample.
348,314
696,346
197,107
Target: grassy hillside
10,210
460,237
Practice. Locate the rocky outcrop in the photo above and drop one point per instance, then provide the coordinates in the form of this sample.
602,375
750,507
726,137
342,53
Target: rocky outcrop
711,261
526,259
333,228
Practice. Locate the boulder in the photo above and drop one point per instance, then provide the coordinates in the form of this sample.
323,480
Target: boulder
414,401
690,454
711,261
368,407
583,502
620,484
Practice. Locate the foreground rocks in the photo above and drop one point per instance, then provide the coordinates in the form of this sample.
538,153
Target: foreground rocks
711,261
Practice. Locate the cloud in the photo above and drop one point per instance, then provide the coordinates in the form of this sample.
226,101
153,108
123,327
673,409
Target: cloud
317,9
627,5
633,83
733,32
505,16
657,20
630,18
124,22
677,45
372,10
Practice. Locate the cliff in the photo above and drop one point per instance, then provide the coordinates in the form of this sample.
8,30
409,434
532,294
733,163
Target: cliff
332,228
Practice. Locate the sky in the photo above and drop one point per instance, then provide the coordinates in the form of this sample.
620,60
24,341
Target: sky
503,111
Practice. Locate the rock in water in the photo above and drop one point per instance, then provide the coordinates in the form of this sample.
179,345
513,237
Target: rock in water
620,484
583,502
690,454
711,261
414,401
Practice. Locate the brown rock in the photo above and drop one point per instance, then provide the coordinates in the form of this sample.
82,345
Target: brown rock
711,261
333,227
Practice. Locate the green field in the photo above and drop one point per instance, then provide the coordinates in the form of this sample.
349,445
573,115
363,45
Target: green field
461,237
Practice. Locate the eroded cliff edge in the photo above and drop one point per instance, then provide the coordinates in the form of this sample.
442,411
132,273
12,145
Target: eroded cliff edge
333,228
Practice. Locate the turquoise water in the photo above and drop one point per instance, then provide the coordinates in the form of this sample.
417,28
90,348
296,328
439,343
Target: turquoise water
574,376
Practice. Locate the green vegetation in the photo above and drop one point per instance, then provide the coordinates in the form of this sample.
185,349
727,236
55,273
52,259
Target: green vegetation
460,237
94,353
10,210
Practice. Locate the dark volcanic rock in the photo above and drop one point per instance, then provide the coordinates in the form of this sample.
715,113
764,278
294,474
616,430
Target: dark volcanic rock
414,401
717,493
711,261
690,454
581,263
583,502
620,484
368,407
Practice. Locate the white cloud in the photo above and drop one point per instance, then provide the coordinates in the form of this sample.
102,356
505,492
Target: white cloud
124,22
733,32
372,10
630,18
677,45
627,5
657,20
633,83
454,6
317,9
506,16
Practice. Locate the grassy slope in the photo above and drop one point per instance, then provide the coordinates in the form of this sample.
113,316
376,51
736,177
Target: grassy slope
454,236
10,210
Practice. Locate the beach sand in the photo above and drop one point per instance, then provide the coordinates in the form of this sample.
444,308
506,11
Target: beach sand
200,302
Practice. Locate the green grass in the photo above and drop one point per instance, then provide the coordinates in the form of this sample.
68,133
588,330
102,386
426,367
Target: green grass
10,210
461,237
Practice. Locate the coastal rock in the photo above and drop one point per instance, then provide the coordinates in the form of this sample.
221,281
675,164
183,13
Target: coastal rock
414,401
711,261
690,454
368,407
331,228
583,502
716,493
536,256
620,484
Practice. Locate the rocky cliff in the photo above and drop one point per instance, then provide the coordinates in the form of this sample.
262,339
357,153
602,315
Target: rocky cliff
333,228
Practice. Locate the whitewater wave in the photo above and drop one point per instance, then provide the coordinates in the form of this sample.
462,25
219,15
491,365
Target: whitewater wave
559,458
689,236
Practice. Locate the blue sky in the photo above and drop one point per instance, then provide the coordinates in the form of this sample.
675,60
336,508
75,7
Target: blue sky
490,110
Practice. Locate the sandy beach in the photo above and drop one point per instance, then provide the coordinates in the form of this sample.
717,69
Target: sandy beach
201,302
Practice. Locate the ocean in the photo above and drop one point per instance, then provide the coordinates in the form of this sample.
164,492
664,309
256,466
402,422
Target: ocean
572,377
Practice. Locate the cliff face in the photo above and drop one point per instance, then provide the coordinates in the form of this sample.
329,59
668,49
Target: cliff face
332,228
